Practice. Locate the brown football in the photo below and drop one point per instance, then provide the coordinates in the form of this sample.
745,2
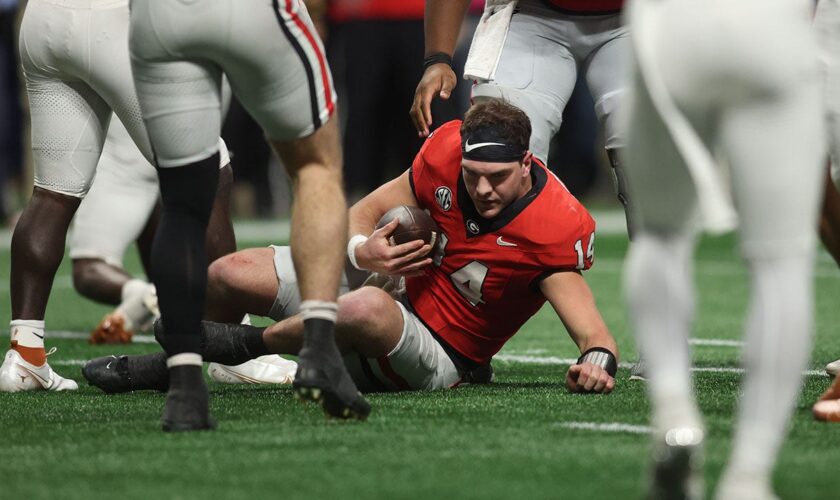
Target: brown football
415,224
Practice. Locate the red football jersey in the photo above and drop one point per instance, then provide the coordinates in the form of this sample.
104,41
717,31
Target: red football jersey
484,283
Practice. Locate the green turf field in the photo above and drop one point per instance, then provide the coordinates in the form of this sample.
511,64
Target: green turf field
512,439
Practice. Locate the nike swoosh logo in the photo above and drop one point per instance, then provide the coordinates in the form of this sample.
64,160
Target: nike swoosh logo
39,336
469,147
44,382
503,243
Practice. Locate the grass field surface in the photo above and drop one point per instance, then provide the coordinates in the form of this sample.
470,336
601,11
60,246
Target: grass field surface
524,436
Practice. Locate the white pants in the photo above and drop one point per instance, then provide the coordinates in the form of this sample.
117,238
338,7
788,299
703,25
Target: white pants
269,51
118,205
539,64
752,93
116,209
75,62
418,362
827,24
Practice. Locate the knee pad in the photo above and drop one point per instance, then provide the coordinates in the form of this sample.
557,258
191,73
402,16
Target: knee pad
606,109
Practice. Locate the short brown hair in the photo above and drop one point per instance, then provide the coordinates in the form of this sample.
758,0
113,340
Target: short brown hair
510,122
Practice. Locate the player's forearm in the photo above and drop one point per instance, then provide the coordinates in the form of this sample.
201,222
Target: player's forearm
442,24
363,217
597,338
365,213
575,305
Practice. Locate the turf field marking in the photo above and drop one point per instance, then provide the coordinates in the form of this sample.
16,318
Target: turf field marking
553,360
63,334
505,358
69,362
606,427
716,342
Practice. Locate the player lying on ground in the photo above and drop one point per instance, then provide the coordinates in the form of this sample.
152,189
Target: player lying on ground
512,238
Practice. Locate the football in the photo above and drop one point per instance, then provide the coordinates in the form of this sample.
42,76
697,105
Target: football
415,224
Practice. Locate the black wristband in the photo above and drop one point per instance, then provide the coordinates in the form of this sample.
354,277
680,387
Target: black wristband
602,357
437,58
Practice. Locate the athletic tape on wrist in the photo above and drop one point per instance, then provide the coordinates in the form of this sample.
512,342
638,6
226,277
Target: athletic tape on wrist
602,357
354,242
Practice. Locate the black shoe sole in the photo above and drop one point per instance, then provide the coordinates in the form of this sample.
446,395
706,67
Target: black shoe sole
331,403
671,477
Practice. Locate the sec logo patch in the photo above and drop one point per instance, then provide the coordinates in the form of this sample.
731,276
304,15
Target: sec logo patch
443,195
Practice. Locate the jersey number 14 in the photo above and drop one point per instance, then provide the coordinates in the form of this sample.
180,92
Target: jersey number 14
590,252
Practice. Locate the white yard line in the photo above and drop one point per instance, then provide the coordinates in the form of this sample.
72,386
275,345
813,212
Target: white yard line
553,360
605,427
62,334
716,342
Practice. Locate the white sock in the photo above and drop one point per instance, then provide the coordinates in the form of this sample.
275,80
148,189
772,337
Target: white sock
27,332
776,350
659,289
133,306
184,359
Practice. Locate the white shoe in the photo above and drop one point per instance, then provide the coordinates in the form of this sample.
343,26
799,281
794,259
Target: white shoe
271,369
17,374
833,368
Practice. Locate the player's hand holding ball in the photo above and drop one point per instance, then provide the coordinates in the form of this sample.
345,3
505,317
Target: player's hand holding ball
401,243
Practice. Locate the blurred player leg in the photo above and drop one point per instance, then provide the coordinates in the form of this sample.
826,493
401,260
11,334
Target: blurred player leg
767,118
783,139
660,293
827,25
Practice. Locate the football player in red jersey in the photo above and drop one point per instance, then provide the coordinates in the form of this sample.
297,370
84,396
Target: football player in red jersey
513,237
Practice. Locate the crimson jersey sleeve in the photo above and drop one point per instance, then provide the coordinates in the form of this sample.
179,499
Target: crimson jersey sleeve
482,285
432,165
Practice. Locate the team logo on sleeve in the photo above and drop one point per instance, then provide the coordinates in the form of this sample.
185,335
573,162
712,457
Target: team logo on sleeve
443,195
472,227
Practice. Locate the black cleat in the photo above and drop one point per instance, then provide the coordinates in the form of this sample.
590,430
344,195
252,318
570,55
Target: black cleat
116,374
678,466
187,406
481,375
109,373
324,379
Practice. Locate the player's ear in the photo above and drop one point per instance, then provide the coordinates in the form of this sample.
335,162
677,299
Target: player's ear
526,163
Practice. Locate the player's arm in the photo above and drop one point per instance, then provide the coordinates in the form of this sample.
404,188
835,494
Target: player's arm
370,248
573,302
442,25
